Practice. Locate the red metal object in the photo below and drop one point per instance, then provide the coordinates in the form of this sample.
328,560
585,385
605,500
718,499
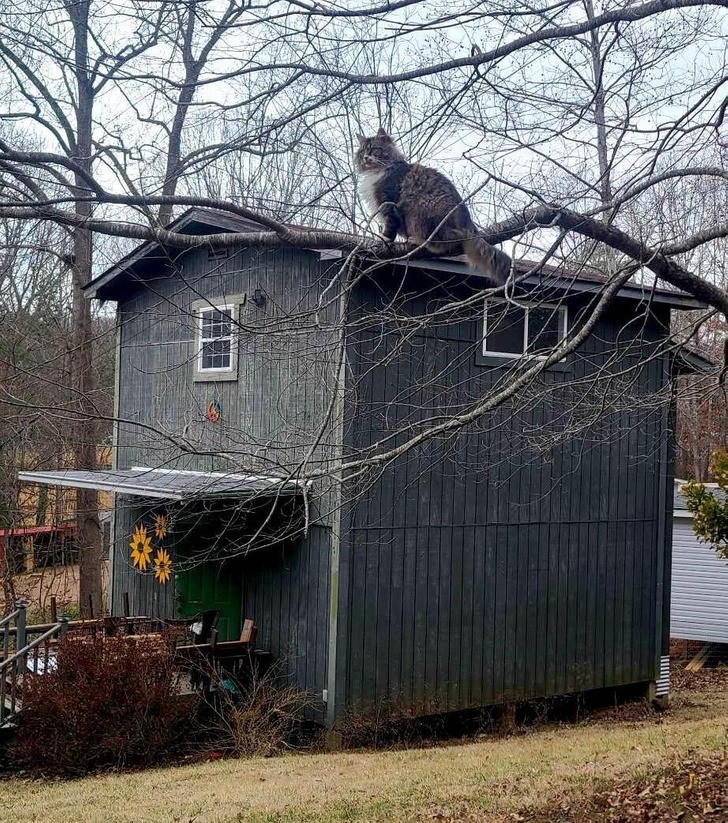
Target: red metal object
31,531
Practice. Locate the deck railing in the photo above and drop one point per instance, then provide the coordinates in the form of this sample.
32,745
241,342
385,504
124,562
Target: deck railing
20,658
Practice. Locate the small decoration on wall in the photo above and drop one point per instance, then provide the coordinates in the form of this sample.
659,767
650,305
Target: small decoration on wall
214,410
161,526
141,547
162,566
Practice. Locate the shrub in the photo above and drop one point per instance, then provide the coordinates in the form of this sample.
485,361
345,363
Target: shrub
710,520
257,715
109,702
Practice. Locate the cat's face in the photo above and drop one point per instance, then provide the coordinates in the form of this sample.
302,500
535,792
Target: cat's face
376,153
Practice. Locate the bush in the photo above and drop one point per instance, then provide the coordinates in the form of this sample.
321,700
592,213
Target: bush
109,702
710,520
257,715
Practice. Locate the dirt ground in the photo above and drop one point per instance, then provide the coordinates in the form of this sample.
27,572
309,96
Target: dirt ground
625,764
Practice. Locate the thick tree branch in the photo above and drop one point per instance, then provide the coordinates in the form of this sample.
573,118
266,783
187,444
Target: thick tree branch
653,259
280,235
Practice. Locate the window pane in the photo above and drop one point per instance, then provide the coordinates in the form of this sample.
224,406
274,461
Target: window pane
206,322
504,328
216,354
215,324
544,328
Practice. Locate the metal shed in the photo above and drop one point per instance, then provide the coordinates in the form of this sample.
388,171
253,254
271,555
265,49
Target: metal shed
699,606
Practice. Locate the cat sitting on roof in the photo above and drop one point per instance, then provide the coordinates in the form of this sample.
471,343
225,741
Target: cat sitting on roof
423,206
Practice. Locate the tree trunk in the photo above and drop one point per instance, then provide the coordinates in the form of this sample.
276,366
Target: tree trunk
600,117
88,529
192,73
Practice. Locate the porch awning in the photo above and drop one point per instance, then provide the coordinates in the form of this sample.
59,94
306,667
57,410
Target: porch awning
168,484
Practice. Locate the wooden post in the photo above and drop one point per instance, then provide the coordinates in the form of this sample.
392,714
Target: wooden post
91,607
20,628
54,609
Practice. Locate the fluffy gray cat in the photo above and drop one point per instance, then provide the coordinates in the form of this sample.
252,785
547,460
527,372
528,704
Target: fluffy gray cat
423,206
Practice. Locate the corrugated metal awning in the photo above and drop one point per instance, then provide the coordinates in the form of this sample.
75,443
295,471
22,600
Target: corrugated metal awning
168,484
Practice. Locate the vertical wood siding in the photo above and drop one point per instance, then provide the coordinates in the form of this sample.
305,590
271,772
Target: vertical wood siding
146,596
518,557
270,415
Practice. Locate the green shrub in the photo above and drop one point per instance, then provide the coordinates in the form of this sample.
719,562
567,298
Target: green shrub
710,513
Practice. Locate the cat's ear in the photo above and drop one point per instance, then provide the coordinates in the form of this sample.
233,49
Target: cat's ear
362,140
382,133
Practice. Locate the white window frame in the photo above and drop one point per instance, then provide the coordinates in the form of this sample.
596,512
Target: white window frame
231,307
526,306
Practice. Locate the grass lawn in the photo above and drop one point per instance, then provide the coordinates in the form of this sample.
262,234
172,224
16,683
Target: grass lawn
487,779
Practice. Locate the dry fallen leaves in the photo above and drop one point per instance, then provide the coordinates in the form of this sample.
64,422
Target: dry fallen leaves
692,790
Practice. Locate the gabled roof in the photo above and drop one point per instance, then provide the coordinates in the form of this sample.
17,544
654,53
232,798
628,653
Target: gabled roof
209,221
193,221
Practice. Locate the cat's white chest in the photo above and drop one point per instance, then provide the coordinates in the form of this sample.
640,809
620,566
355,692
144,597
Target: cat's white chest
367,186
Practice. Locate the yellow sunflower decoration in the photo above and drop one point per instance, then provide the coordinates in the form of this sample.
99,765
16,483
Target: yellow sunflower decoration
161,526
162,566
141,547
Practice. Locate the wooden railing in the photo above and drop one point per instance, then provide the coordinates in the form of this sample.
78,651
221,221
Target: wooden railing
26,651
22,657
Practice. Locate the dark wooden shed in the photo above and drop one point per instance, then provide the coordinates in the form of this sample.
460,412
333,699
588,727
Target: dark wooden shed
522,552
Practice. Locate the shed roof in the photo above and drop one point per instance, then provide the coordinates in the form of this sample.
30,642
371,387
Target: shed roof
209,221
691,361
168,484
679,506
194,221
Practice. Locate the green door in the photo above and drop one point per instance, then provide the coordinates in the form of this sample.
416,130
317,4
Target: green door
215,585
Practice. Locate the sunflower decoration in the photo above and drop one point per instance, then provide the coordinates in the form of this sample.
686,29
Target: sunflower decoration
162,566
161,526
141,547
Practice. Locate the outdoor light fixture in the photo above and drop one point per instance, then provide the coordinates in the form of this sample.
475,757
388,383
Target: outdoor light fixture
258,297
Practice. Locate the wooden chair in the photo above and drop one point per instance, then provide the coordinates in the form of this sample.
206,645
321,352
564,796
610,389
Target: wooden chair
249,632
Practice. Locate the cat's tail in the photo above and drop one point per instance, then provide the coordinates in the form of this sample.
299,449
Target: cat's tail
489,260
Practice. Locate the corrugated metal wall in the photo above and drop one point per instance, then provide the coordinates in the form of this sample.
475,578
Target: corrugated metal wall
699,606
511,559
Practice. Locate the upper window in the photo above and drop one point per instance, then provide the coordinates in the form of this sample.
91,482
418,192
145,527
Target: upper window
216,352
512,331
